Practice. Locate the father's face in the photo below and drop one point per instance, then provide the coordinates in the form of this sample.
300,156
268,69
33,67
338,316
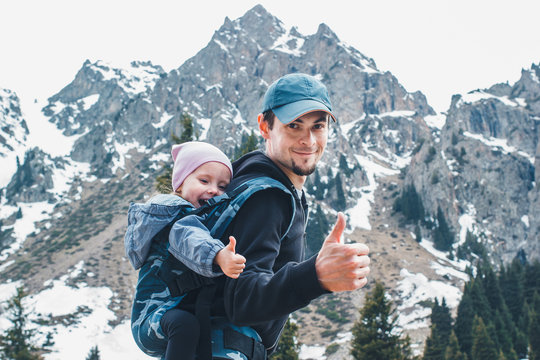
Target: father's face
298,146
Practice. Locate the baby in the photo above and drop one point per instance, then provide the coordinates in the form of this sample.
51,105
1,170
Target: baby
200,172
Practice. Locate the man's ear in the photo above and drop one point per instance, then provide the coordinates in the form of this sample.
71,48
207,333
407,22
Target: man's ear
263,127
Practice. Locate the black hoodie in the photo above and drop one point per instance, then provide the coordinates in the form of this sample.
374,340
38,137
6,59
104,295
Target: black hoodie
276,280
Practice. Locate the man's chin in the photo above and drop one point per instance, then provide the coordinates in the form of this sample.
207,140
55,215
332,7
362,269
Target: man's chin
304,171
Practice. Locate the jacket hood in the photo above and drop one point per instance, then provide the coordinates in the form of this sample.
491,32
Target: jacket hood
256,164
146,220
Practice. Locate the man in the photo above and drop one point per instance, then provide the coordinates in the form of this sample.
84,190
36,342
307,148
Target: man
276,281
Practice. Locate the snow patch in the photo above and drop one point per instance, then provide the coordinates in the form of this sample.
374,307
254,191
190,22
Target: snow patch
525,220
205,124
435,121
282,44
417,288
31,213
478,95
312,352
499,144
165,117
397,113
358,216
89,101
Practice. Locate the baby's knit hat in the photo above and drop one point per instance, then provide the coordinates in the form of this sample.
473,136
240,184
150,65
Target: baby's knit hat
190,155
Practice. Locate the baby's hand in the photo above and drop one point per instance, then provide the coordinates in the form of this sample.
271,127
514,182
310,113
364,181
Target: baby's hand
231,264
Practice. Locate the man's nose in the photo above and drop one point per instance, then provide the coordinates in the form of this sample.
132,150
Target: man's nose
308,138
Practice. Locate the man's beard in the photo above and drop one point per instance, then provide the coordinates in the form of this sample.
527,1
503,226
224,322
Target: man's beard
303,172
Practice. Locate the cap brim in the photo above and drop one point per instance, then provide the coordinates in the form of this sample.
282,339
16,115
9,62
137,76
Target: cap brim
290,112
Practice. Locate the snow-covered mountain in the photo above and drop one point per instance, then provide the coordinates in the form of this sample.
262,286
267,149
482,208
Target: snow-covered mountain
108,134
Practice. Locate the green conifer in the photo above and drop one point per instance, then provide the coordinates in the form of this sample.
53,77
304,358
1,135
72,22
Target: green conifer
93,354
512,289
410,204
464,321
374,334
341,201
316,231
17,342
452,351
483,347
443,238
534,328
441,328
287,348
163,181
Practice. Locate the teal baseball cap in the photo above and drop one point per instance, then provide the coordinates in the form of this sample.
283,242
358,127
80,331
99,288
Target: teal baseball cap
294,95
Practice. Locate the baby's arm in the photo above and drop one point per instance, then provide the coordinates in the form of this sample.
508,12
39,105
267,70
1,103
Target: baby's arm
231,263
191,243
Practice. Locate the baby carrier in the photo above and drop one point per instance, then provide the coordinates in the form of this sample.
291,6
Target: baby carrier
219,339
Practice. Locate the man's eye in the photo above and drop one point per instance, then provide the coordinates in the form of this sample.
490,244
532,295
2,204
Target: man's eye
293,126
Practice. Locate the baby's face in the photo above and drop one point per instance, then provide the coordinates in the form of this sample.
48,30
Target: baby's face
208,180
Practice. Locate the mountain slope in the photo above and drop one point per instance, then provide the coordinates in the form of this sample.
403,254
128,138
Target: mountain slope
63,217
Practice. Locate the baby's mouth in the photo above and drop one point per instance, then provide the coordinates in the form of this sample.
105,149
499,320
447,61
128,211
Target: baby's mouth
202,202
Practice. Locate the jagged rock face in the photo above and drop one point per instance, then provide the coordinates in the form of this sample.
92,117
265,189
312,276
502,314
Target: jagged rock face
106,107
33,179
108,111
485,165
13,129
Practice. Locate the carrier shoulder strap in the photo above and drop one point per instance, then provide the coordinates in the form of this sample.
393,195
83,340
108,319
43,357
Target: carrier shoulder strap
220,213
221,210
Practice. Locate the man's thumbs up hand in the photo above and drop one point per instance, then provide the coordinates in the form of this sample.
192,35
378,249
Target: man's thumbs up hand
337,230
342,267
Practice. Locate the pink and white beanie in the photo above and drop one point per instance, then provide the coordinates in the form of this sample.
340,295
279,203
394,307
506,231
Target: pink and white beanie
190,155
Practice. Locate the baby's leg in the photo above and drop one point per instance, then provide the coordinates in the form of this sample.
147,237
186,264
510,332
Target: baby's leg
182,329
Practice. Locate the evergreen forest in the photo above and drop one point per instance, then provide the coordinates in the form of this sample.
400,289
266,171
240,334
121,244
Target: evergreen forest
498,317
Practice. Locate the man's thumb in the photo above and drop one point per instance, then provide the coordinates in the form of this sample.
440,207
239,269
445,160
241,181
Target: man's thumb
337,230
232,244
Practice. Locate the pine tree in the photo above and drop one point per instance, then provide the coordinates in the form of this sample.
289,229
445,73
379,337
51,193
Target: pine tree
452,351
344,166
464,321
163,181
341,201
249,143
316,231
441,328
534,328
512,289
410,204
483,347
93,354
531,282
374,334
16,343
287,348
418,233
187,126
443,238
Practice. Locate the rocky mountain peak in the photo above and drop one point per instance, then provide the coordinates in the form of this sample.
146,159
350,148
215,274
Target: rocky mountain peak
324,31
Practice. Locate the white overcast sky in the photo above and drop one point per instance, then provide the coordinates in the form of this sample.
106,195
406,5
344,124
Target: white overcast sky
440,47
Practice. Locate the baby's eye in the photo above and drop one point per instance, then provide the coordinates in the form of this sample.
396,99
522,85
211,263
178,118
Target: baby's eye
204,181
222,188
